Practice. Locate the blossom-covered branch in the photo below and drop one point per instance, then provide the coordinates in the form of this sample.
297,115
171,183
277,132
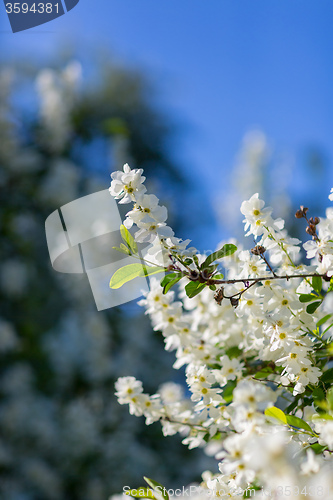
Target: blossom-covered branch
257,365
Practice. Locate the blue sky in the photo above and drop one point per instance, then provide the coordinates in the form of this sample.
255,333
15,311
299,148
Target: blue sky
222,67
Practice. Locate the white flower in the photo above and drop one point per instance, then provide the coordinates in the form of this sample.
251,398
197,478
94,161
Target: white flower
230,369
128,185
147,210
171,392
127,388
256,216
253,395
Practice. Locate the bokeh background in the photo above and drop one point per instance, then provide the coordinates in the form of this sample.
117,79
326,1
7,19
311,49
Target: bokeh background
216,101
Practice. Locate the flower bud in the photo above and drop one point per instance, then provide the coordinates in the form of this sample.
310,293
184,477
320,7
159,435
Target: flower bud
311,229
314,220
301,212
205,274
258,250
194,275
219,295
234,301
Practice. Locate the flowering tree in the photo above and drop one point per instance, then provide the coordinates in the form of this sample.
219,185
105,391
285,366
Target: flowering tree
255,339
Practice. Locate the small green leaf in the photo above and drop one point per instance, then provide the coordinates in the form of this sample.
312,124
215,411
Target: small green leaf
171,284
298,422
264,373
125,274
193,288
169,277
317,283
318,393
311,308
227,391
330,289
276,413
149,270
196,260
212,287
123,249
160,492
307,297
317,448
327,376
324,416
218,277
326,329
170,280
226,250
233,352
131,271
324,319
128,239
329,398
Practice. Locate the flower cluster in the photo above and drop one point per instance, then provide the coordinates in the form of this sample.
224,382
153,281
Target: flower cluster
255,342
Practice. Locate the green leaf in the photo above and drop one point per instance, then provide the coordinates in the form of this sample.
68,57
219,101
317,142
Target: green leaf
218,277
233,352
226,250
169,277
193,288
307,297
264,373
317,283
326,329
329,398
276,413
330,289
131,271
149,270
125,274
128,239
313,307
298,422
160,491
212,287
123,249
318,393
227,391
169,280
327,376
317,448
324,416
141,492
324,319
196,260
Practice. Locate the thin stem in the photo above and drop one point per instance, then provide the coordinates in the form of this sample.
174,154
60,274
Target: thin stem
169,419
268,264
146,261
286,276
